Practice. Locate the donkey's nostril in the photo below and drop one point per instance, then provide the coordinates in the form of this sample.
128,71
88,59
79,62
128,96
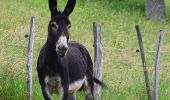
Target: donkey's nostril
62,51
62,48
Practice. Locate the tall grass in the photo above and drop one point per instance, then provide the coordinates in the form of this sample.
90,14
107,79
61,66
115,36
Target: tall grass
122,70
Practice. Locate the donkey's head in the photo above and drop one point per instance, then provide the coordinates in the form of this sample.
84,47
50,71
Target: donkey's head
59,26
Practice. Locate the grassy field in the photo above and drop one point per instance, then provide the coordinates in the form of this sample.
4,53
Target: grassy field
122,69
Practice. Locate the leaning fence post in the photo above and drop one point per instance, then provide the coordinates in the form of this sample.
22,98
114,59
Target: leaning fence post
30,59
98,54
156,65
143,61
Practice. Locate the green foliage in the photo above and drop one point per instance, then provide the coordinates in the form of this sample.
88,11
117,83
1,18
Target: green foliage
122,70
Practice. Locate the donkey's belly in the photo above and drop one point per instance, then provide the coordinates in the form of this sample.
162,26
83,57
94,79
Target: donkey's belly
73,87
54,84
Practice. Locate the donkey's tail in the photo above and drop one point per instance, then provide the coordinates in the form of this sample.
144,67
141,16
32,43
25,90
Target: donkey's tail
99,83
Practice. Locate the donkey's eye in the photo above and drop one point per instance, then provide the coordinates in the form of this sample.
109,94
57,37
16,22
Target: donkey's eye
69,26
54,26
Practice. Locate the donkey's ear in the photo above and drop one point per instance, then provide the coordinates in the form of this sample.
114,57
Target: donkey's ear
69,7
53,7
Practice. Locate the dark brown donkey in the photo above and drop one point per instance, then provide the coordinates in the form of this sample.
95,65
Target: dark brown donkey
64,67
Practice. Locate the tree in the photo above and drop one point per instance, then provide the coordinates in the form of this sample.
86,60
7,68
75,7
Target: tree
155,9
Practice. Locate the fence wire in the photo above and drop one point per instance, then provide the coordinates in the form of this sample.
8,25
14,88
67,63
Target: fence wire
13,58
122,65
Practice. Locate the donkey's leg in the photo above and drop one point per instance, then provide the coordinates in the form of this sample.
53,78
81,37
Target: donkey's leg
64,95
72,96
46,93
64,84
89,95
89,88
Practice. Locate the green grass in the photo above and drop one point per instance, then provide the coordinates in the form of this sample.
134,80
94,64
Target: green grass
122,70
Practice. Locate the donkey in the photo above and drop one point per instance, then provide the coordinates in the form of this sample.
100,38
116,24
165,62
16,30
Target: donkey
64,67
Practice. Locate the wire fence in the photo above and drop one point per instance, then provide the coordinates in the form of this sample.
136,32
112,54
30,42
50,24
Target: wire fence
13,57
111,54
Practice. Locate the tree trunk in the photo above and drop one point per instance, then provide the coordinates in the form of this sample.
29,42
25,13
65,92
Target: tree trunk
155,9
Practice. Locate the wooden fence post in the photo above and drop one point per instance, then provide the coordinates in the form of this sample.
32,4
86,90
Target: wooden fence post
156,65
98,54
30,59
143,61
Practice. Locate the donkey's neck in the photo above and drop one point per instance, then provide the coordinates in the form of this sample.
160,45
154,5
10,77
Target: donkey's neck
52,58
51,46
51,40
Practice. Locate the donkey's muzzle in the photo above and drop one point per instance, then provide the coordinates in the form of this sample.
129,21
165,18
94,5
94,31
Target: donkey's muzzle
62,51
